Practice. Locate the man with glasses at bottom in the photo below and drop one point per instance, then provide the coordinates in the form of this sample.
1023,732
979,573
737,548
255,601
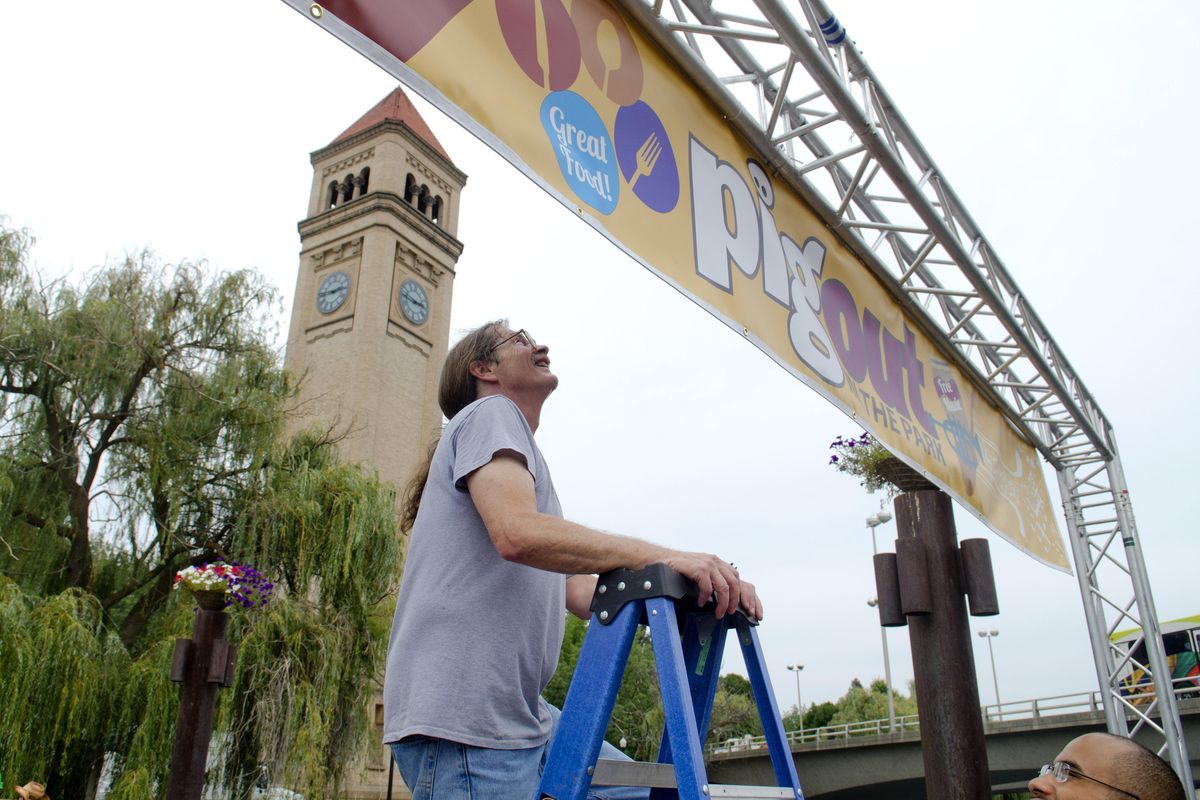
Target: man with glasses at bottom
491,565
1101,766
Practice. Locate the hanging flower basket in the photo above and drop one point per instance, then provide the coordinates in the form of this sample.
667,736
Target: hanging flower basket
219,584
210,599
902,476
865,458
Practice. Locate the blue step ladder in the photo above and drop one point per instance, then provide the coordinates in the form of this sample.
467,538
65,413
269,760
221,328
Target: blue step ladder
688,643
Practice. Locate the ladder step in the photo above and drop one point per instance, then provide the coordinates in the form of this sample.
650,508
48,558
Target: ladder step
611,772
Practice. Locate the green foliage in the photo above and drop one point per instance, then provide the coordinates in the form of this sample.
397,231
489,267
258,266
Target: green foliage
134,784
573,635
60,678
141,433
734,712
136,407
308,495
307,660
861,457
859,704
149,706
733,683
818,715
637,713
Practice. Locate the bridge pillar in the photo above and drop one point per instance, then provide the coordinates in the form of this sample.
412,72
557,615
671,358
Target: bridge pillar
952,742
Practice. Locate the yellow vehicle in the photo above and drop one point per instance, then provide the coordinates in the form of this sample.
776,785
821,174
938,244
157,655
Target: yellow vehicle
1181,640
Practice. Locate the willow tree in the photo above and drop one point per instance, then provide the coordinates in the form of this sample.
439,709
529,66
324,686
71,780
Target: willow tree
142,415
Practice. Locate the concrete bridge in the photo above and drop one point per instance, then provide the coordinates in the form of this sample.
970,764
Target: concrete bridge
866,760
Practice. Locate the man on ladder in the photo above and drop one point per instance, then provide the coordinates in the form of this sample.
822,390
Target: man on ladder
491,564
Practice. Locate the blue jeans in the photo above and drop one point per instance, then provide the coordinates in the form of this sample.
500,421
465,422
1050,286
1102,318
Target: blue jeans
439,769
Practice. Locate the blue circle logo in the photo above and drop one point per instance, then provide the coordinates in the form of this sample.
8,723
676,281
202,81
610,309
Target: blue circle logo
583,148
646,158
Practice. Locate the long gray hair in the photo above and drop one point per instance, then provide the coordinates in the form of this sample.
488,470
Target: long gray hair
457,389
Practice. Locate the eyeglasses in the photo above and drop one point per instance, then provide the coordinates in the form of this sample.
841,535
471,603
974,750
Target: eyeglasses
1061,771
522,336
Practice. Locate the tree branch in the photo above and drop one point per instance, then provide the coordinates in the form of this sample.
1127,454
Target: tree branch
12,388
118,418
134,585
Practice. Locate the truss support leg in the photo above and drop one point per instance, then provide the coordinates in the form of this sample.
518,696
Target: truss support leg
1093,606
1088,558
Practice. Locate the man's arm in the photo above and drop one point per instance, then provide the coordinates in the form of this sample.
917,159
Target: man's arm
503,493
580,589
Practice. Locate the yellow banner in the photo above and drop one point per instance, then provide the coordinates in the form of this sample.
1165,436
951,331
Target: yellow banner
583,102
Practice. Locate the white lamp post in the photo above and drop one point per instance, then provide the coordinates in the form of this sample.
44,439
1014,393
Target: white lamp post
874,521
798,668
989,635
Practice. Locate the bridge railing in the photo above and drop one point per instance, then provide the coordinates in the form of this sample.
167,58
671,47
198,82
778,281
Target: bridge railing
1078,703
1082,702
824,734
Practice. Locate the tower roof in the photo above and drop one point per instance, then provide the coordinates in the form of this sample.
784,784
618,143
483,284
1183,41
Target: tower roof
396,107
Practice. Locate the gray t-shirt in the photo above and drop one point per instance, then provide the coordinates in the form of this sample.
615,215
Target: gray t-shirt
475,638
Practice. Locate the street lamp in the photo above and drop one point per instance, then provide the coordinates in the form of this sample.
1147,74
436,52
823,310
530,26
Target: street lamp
989,635
798,668
874,521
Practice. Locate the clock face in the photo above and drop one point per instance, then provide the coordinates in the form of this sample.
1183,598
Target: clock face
414,302
332,292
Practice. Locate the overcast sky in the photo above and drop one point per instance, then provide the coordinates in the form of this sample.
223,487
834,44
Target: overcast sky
1065,127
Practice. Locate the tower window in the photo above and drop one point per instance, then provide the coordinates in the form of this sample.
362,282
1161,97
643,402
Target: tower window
410,188
331,195
348,188
423,200
363,180
435,210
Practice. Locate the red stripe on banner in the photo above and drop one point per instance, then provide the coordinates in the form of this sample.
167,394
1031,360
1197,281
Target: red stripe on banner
402,27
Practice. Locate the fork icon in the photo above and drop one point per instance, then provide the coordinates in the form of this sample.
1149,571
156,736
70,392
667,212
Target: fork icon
647,155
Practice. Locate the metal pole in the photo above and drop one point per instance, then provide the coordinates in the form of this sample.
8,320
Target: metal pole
887,678
798,668
995,680
989,635
873,522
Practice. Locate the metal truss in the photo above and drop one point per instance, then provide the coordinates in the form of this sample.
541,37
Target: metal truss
805,99
1104,541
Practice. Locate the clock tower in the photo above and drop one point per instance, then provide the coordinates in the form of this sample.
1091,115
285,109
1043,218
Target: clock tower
371,314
